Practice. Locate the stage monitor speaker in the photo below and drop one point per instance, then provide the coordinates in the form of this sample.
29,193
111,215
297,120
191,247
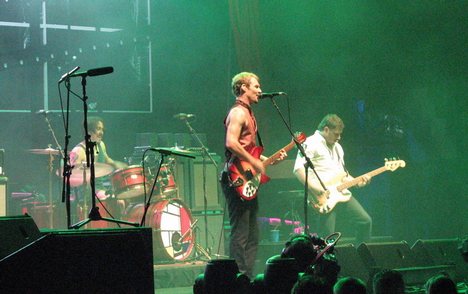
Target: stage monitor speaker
82,261
214,239
441,252
17,232
351,263
398,256
3,197
390,255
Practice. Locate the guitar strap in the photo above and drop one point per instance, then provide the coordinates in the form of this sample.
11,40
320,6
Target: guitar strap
227,153
342,162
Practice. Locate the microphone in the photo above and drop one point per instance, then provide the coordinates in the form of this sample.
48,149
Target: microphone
183,115
94,72
272,94
67,75
42,111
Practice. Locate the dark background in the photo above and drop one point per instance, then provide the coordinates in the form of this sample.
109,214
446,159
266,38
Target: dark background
395,71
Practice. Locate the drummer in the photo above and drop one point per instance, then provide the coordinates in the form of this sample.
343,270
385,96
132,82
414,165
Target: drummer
78,154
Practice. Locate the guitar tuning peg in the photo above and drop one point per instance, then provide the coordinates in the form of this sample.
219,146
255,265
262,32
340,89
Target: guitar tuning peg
386,159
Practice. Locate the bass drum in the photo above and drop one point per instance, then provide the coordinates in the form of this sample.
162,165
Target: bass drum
171,221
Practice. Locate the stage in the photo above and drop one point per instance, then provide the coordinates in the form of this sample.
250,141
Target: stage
129,259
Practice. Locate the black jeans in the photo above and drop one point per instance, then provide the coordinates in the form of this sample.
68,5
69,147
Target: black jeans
244,228
353,213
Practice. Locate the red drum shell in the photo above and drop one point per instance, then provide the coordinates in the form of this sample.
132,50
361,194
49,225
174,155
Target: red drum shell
169,218
128,182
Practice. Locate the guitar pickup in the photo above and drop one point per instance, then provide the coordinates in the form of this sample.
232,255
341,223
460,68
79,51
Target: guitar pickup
237,183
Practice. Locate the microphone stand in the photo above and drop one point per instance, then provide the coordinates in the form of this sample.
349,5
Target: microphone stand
67,168
148,201
94,214
205,154
307,165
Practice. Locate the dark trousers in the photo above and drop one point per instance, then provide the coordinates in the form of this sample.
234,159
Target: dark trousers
350,212
244,229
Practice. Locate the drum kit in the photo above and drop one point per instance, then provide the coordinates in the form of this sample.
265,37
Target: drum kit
167,214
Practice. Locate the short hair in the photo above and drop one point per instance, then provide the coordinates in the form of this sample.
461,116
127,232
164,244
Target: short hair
440,284
332,121
389,282
311,284
349,285
93,122
240,79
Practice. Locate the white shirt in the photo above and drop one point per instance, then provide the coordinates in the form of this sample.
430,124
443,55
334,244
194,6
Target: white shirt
328,162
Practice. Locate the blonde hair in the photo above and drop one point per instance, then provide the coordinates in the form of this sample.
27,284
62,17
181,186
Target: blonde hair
240,79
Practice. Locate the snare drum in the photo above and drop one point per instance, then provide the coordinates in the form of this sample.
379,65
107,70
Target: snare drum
128,182
171,221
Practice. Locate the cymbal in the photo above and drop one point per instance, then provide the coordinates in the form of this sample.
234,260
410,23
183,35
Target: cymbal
175,151
47,151
80,170
100,169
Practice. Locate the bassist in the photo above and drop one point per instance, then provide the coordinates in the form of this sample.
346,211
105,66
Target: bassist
241,137
327,156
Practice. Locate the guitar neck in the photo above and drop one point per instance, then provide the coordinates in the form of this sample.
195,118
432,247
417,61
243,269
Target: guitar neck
275,156
356,181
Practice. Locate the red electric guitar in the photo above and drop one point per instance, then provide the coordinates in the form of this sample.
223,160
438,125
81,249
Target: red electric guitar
244,177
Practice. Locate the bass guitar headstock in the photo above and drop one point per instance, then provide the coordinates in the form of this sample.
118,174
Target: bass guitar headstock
393,164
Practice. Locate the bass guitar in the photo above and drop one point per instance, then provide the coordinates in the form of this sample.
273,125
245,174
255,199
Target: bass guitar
337,190
244,177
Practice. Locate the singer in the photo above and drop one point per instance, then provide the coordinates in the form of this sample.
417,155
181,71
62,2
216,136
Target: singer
241,138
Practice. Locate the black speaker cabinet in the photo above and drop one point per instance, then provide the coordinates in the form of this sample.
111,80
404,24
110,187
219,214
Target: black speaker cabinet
351,263
399,256
16,232
82,261
441,252
193,177
389,255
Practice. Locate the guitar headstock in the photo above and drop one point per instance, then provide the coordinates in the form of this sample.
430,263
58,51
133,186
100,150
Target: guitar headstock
393,164
300,137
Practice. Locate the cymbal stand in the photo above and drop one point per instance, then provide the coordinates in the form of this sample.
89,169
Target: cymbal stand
205,154
51,169
94,214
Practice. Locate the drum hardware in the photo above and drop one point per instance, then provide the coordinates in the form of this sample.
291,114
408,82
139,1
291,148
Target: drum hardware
205,154
177,238
51,152
164,152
